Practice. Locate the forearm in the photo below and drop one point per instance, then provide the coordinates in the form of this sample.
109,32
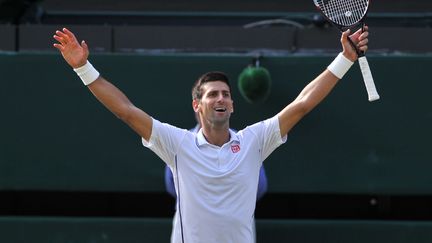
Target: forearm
76,55
117,102
309,97
110,96
316,91
313,94
321,86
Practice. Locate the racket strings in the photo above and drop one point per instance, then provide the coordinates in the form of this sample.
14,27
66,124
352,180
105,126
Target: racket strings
344,12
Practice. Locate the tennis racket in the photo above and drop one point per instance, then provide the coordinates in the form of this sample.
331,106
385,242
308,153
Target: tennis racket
348,14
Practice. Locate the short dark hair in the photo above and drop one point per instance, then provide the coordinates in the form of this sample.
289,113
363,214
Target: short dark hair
205,78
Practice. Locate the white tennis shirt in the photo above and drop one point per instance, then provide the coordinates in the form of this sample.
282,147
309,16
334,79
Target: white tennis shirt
216,186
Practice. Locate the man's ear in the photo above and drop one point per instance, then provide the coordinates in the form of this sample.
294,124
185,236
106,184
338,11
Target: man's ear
195,105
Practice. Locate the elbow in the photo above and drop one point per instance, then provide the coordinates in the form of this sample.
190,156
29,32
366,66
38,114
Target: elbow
303,107
125,113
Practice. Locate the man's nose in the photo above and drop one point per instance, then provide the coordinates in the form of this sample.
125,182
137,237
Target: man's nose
220,97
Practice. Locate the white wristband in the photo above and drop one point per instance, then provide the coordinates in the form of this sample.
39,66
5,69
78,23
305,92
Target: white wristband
340,65
87,73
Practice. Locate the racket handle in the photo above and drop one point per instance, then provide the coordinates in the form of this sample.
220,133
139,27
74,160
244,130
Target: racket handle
368,79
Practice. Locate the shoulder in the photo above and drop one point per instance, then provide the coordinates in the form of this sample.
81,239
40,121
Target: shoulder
166,132
270,123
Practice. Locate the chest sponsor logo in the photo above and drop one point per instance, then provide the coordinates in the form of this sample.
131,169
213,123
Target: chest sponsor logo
235,148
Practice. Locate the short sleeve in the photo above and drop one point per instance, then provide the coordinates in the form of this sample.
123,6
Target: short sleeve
164,140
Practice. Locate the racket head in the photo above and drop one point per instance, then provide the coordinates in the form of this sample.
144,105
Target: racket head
345,14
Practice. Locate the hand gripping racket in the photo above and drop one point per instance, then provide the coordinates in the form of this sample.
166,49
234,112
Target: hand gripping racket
346,14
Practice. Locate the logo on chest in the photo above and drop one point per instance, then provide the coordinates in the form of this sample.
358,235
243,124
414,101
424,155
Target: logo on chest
235,148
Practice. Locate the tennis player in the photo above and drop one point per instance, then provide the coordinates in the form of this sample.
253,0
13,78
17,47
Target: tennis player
215,170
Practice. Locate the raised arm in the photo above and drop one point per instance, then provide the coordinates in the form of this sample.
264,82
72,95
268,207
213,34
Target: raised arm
76,55
321,86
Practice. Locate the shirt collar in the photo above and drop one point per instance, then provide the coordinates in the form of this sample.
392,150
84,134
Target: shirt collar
201,140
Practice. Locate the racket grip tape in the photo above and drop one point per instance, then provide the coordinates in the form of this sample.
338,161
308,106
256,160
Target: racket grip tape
368,79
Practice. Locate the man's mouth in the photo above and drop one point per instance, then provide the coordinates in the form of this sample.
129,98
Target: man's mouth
220,109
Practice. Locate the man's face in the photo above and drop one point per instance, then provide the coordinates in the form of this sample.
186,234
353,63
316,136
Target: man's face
216,104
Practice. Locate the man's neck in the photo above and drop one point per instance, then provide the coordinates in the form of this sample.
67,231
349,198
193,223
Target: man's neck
216,137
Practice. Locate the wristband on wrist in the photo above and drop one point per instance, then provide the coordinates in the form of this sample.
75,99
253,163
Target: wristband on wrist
340,66
87,73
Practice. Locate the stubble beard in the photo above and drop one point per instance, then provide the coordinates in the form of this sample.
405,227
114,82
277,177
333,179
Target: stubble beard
219,122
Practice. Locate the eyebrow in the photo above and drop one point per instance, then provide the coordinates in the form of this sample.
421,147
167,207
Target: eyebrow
224,91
